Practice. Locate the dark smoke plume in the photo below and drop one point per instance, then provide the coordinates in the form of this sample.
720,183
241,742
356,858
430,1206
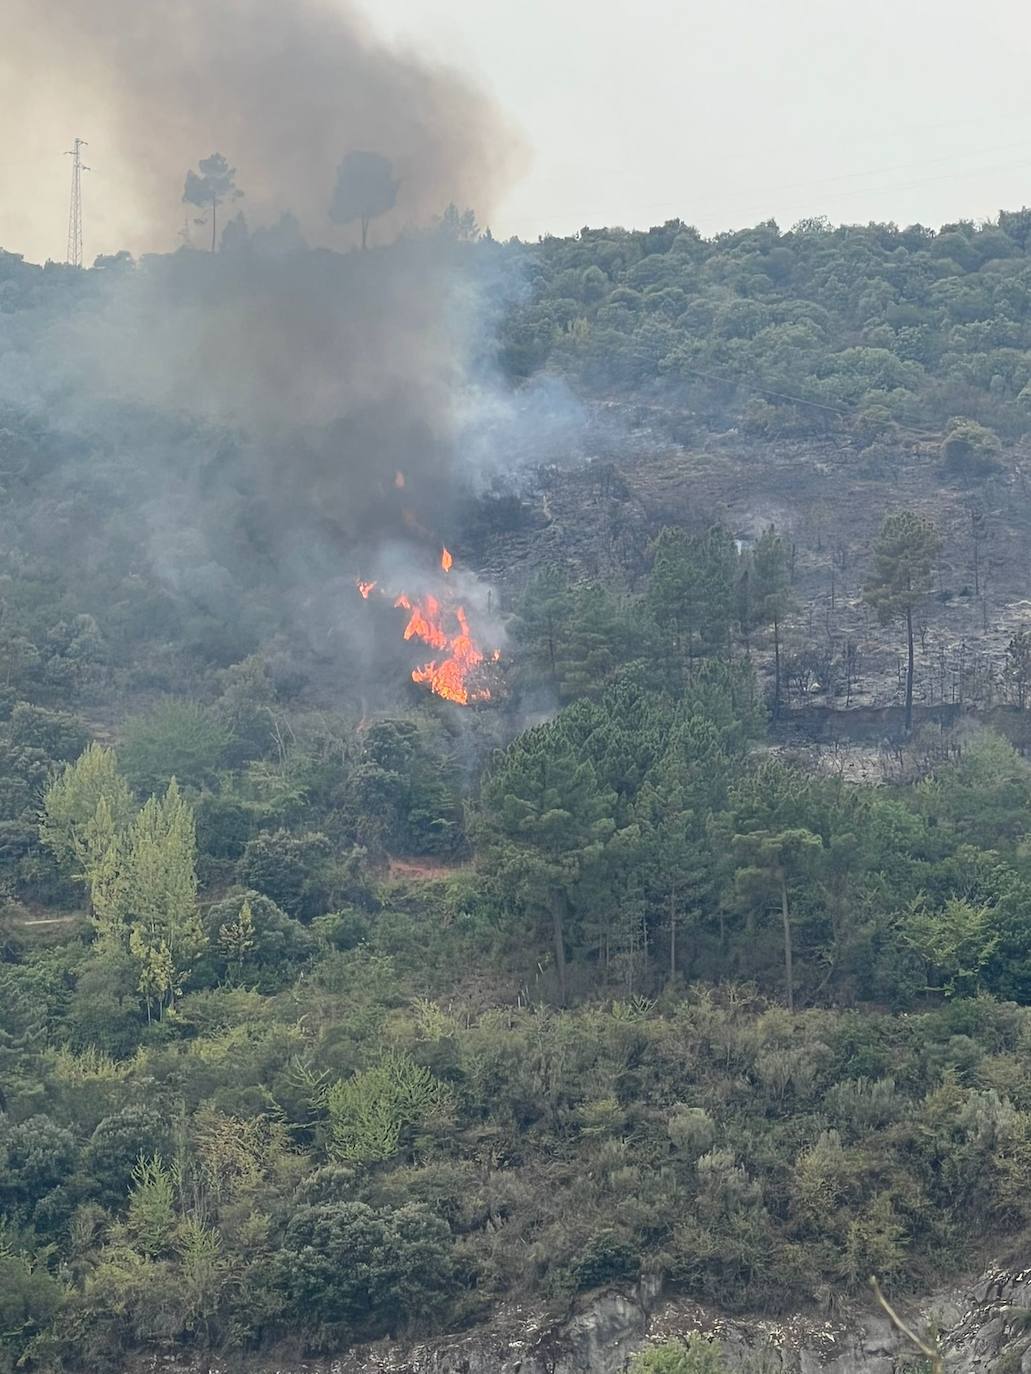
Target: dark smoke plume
272,420
284,88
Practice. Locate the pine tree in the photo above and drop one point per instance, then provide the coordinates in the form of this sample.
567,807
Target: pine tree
676,862
21,1032
771,594
545,822
772,860
692,591
904,554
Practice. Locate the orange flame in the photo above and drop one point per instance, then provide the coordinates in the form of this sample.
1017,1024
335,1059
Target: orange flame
453,673
447,677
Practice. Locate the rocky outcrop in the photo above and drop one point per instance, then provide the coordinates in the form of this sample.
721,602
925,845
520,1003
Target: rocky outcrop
982,1328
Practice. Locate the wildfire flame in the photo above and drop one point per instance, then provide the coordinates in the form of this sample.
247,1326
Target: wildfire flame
451,675
447,677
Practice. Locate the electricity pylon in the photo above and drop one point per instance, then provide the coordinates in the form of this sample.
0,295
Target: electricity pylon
75,237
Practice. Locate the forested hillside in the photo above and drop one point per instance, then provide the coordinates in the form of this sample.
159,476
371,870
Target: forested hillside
333,1007
858,329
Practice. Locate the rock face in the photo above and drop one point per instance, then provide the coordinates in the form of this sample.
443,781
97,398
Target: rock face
983,1328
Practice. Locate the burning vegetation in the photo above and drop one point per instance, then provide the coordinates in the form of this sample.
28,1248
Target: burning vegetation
457,672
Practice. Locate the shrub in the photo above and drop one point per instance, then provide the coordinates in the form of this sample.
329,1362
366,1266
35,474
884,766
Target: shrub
177,739
350,1270
695,1355
289,869
370,1113
970,449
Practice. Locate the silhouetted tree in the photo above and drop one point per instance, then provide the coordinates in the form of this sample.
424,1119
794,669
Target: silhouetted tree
214,183
365,188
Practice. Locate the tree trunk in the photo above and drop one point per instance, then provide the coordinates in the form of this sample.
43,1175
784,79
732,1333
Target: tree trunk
365,231
559,935
785,916
214,221
909,670
776,668
672,935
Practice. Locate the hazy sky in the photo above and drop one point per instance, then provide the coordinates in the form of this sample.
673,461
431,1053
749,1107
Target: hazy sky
638,110
727,113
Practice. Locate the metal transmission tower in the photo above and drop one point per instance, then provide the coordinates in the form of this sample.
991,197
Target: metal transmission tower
75,240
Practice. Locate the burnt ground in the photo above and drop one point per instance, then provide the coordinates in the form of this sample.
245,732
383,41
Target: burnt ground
597,518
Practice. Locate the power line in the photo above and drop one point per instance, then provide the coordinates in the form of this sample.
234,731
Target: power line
76,242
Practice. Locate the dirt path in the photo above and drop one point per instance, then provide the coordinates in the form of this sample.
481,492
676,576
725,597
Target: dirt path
423,869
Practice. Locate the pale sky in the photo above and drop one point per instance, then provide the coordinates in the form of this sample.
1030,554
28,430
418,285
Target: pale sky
727,113
635,111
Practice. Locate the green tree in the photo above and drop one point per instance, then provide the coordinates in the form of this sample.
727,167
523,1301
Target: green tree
970,449
546,821
250,941
117,1145
69,823
22,1033
351,1270
289,869
1018,665
158,897
904,557
176,739
673,861
772,861
771,594
692,590
29,1299
40,1156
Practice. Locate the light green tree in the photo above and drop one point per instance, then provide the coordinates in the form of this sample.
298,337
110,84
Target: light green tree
69,823
143,892
237,940
154,881
370,1111
956,942
203,1270
151,1219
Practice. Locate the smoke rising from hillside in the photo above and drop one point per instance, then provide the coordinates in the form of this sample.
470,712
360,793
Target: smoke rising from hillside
284,88
277,418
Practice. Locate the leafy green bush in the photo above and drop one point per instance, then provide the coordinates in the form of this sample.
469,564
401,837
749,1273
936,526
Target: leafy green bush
695,1355
355,1272
372,1112
175,739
